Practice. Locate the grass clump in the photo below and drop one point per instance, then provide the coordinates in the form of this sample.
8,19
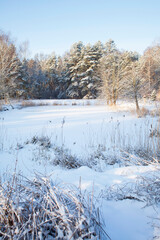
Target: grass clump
65,159
43,141
39,209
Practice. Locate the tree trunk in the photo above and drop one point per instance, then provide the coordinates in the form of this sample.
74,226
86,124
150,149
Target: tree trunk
136,101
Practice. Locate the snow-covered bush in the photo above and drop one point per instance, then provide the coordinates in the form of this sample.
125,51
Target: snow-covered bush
40,209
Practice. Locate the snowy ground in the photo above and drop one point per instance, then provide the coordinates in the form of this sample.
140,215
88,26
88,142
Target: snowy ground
101,138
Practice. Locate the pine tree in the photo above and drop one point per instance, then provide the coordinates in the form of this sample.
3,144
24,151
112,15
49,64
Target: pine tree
23,82
82,70
52,77
75,70
91,80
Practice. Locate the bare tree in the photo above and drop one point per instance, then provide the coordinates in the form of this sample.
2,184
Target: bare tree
24,50
113,69
9,67
150,62
132,78
135,82
109,71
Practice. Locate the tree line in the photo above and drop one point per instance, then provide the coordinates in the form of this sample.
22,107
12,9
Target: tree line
85,71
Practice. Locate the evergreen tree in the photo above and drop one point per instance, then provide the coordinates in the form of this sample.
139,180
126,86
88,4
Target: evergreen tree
75,69
91,80
51,76
23,84
82,69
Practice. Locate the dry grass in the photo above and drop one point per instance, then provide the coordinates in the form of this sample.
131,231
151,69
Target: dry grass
74,103
143,112
63,156
145,189
155,112
39,209
57,104
29,103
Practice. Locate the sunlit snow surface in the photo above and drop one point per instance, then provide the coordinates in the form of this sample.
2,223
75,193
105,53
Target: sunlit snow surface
83,127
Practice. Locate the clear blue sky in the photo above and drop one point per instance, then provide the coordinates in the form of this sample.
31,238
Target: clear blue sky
54,25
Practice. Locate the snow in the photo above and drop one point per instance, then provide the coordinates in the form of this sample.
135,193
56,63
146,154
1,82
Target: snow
130,218
83,127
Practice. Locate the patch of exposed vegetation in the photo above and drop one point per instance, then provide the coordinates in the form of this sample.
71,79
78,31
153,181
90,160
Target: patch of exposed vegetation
39,209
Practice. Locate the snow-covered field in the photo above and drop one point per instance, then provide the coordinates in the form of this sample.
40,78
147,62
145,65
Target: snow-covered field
105,142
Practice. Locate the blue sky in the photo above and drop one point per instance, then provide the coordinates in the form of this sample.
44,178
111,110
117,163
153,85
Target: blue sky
54,25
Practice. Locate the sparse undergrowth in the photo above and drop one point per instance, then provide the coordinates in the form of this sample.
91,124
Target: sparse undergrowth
62,156
146,189
45,152
144,112
39,209
30,103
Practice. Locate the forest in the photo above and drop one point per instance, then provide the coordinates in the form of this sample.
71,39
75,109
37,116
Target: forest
84,72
